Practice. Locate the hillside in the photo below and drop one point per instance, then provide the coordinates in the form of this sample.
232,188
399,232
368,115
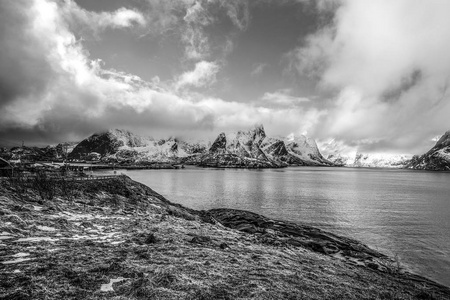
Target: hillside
118,239
436,159
118,146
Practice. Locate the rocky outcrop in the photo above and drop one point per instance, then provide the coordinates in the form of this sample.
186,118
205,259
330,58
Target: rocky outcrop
219,145
287,233
436,159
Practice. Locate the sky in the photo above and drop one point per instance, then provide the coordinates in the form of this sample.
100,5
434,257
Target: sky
369,75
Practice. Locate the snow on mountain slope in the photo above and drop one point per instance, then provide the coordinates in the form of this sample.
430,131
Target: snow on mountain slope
380,160
306,149
239,150
437,158
343,155
254,144
122,145
106,143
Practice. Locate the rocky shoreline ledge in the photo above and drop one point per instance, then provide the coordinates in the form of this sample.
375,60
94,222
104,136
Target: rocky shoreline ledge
119,239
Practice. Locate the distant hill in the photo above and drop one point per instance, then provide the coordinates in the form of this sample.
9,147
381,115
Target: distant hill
118,145
343,155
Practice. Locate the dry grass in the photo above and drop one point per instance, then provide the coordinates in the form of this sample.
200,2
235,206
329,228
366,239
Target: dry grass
165,252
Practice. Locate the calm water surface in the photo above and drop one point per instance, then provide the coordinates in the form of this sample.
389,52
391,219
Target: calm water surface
398,212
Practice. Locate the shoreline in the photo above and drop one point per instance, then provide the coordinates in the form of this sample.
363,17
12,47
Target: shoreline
220,236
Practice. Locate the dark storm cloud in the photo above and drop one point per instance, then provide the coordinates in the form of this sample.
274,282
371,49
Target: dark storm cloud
23,69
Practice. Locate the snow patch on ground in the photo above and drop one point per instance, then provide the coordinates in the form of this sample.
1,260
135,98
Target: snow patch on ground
16,261
108,287
46,228
37,239
21,254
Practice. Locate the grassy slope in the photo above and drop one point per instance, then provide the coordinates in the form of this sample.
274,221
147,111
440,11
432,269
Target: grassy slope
121,229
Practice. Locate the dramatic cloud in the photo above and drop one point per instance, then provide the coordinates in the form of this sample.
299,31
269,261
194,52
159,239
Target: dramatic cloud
373,75
52,91
389,61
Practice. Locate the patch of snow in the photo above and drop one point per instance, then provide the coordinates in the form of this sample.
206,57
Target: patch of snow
108,235
117,242
108,287
46,228
16,271
15,261
79,237
20,254
443,154
38,208
5,237
5,233
37,239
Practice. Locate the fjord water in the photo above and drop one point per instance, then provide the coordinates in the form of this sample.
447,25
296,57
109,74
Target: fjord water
397,212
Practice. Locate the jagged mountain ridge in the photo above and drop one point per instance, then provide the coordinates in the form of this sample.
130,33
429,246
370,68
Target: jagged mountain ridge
238,150
436,159
254,148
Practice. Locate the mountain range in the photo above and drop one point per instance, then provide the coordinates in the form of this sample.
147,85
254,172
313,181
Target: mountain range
247,149
242,149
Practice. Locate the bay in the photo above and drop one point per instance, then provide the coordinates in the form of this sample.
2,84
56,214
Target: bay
402,213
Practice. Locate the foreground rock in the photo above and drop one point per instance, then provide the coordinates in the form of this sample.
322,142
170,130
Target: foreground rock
436,159
118,239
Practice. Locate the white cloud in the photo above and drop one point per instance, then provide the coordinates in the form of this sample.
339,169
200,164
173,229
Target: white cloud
121,18
203,74
283,97
389,62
